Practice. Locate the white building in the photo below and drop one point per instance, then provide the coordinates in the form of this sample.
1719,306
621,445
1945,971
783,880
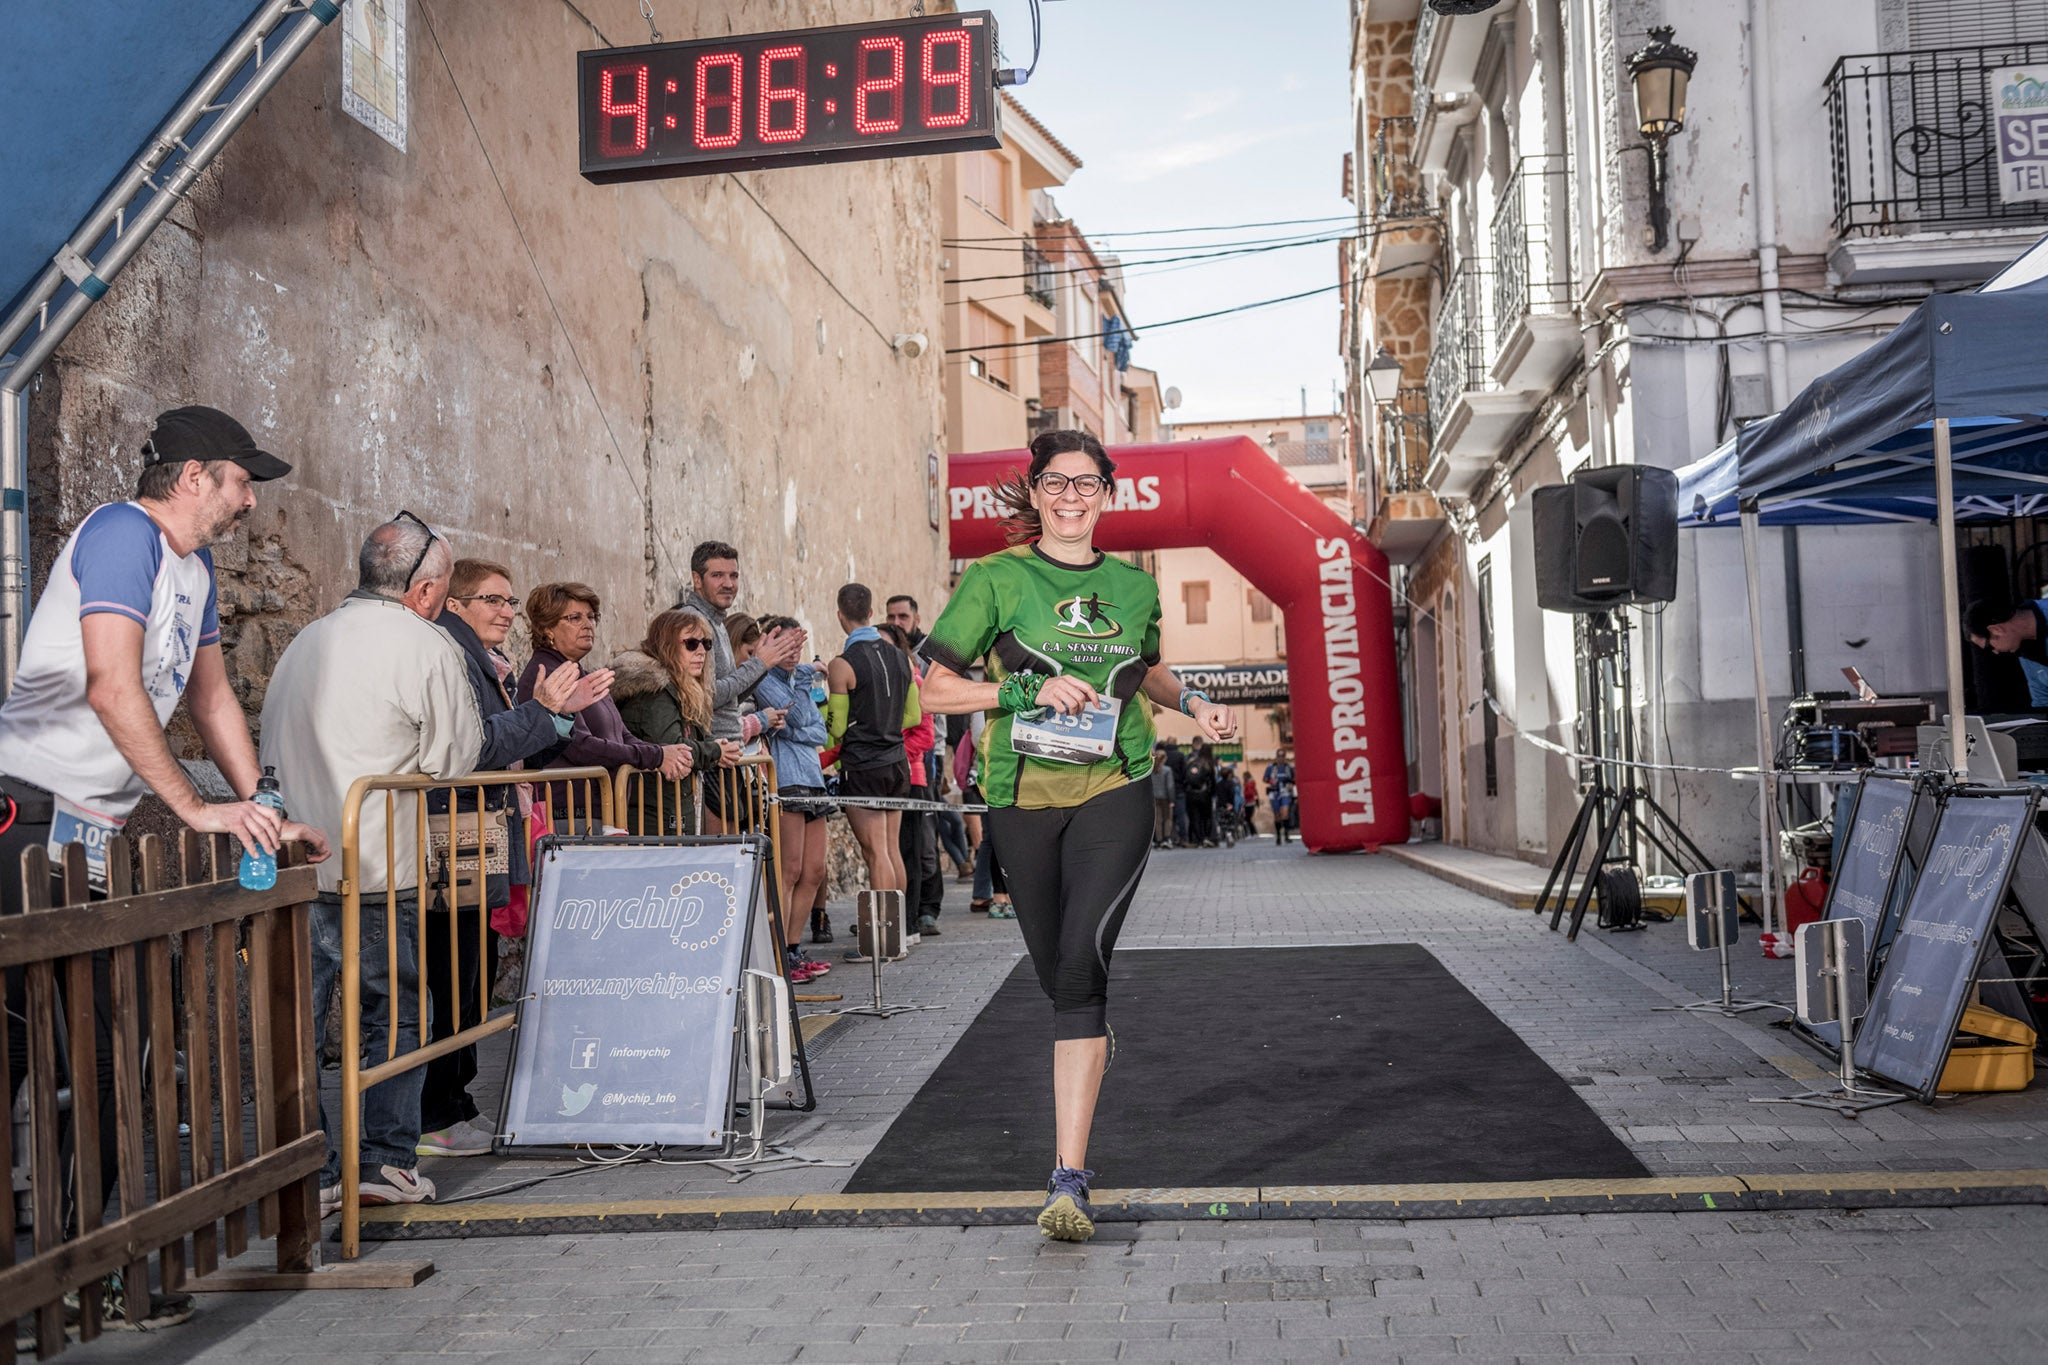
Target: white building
1834,167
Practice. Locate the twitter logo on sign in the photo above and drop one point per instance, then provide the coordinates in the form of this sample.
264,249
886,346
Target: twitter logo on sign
576,1101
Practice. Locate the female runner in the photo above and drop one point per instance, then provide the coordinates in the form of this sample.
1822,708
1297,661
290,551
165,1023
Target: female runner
1071,637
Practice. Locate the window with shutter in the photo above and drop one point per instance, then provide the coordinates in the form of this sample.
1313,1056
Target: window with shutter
1973,23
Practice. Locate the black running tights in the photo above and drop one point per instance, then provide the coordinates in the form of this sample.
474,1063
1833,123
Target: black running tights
1072,873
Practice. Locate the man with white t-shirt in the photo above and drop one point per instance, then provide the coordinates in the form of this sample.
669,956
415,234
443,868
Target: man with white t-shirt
127,624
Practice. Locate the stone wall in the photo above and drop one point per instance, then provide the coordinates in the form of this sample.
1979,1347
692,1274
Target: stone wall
581,381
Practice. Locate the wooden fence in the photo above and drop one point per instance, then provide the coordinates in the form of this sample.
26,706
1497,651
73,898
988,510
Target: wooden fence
206,979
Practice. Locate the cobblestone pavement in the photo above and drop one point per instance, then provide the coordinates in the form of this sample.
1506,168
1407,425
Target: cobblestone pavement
1898,1285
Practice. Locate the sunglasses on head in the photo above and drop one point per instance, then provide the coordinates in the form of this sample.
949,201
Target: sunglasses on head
425,550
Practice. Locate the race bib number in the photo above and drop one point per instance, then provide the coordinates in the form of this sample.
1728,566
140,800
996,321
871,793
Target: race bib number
1088,737
71,824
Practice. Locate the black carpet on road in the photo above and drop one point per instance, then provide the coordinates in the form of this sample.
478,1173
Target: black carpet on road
1255,1066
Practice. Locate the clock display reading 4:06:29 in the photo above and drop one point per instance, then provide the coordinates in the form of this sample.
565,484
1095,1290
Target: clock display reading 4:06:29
802,97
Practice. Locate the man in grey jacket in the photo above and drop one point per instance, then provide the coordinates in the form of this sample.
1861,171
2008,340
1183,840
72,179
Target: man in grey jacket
714,583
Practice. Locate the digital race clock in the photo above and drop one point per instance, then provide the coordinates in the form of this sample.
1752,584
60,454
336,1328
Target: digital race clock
849,93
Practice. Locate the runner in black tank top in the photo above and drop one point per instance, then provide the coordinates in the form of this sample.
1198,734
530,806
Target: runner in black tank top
874,716
1071,643
873,697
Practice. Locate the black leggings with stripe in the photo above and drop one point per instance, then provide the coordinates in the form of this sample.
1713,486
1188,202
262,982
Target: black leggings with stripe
1072,873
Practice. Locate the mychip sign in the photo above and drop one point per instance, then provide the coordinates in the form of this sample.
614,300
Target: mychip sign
634,955
2019,103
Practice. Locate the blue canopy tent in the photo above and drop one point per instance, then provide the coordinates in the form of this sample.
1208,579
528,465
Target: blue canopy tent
1946,417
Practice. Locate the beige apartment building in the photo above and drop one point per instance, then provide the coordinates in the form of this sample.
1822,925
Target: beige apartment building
1212,615
1017,272
1000,288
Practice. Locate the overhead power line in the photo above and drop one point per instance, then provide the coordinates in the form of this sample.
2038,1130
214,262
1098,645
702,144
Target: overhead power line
1156,260
1174,231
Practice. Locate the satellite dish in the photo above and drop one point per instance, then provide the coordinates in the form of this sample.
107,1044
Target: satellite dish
1172,399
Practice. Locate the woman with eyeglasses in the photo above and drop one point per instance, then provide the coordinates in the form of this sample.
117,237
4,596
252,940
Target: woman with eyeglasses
479,614
1071,640
564,618
664,698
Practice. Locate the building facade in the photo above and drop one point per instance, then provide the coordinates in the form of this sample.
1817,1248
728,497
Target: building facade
1829,175
1001,291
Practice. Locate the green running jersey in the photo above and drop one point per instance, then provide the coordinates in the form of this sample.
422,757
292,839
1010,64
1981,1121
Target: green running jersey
1024,611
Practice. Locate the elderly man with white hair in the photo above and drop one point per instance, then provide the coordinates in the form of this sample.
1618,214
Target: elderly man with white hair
375,687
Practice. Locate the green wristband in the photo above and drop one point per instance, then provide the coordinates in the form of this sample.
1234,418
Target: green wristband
1019,692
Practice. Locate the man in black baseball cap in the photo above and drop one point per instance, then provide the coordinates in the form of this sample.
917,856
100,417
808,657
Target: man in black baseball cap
127,626
207,434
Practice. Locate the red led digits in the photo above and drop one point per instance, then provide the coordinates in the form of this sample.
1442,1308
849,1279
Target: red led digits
613,109
729,101
957,39
872,85
773,94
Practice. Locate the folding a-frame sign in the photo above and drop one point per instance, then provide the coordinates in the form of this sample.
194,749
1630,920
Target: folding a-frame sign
1928,870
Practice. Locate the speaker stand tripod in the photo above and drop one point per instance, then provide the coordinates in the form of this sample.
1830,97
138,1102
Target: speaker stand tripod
1608,811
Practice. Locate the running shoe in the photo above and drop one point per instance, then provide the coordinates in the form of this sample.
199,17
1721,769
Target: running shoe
393,1185
818,966
1066,1216
471,1137
928,924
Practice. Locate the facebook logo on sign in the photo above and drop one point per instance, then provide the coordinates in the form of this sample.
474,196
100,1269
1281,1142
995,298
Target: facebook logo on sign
583,1054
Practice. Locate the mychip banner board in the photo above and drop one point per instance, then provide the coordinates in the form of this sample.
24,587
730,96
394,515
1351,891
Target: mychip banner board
628,1029
1941,937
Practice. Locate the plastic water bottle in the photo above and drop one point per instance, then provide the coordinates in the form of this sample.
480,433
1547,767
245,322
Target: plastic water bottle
259,869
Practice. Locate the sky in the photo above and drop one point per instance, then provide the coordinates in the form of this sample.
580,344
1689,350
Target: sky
1195,114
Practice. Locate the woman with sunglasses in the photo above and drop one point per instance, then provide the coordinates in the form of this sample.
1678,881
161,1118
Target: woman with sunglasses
1071,640
665,699
564,618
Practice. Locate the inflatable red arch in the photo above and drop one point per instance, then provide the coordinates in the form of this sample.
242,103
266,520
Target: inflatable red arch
1330,582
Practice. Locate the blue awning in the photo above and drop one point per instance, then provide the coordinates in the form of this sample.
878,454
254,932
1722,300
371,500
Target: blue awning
83,86
2001,470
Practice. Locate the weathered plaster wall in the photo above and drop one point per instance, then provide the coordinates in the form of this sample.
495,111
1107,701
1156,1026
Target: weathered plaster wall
376,318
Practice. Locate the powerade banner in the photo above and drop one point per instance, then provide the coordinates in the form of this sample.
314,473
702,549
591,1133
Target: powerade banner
634,954
1329,581
1940,939
1236,684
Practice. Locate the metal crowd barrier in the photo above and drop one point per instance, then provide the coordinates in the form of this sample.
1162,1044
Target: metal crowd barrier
650,804
187,958
580,800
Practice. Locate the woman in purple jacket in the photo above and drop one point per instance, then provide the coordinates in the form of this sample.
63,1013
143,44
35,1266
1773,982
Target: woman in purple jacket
563,618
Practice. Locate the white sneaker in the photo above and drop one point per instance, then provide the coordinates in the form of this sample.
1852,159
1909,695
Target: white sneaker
468,1138
330,1199
393,1185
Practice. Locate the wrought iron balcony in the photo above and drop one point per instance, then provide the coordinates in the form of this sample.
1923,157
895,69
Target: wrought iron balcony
1531,260
1912,141
1461,360
1404,442
1398,190
1038,277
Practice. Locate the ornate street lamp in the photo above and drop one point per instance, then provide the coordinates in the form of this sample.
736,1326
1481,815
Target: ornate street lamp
1660,73
1383,378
